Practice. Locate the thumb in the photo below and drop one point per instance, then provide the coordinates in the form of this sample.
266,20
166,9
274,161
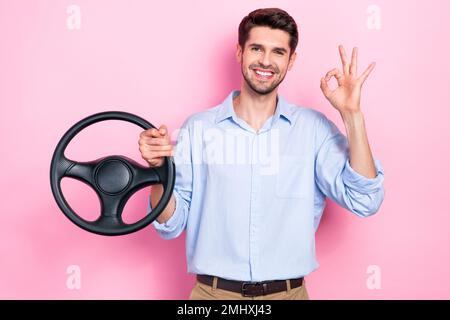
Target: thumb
162,130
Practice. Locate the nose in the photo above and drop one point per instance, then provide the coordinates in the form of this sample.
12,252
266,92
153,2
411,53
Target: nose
264,59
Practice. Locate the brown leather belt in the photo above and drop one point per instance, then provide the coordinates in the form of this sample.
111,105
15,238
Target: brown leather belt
250,289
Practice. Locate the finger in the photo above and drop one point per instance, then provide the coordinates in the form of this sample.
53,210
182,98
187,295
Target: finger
152,132
159,148
144,134
366,73
152,150
159,154
345,65
354,64
154,141
335,73
324,86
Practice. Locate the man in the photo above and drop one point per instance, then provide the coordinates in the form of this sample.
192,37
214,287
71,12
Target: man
253,172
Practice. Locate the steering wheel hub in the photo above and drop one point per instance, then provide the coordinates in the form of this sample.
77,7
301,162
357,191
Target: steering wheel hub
112,176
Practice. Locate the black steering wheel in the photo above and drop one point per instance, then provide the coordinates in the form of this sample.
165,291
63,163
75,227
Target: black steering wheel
114,178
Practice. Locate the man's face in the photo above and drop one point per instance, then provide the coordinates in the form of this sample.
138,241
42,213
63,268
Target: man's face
265,59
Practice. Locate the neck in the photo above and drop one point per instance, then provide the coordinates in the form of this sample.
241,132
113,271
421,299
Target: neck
253,107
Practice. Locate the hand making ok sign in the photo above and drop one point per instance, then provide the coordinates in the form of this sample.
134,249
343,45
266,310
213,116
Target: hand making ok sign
346,97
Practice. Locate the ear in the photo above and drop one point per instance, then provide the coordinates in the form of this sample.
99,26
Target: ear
292,60
238,53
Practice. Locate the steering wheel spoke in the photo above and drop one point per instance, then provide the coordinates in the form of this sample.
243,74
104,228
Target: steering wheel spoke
145,176
111,206
109,223
82,171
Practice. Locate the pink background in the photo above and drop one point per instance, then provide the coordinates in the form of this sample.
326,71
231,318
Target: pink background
166,61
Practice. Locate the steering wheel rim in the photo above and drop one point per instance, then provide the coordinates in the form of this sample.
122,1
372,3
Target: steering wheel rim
114,179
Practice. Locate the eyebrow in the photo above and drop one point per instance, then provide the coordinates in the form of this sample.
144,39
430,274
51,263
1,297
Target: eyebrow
260,45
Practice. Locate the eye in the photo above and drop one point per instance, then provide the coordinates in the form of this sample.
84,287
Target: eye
255,49
279,52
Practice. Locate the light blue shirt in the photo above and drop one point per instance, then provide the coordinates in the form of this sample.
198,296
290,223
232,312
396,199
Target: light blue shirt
251,202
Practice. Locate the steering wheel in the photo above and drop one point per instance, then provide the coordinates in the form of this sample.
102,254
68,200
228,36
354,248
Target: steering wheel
114,179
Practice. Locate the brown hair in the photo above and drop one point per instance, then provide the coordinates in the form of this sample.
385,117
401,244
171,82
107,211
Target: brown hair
269,17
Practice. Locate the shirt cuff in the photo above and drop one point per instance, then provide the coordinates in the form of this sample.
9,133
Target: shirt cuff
360,183
171,224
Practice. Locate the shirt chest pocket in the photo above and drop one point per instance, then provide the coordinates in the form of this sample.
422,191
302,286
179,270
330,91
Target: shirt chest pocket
294,177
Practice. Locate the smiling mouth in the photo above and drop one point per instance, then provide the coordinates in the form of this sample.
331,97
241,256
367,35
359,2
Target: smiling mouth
263,74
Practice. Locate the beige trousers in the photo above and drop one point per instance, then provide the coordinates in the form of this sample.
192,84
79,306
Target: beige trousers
204,292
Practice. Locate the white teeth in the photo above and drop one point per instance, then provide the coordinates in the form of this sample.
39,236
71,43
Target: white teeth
266,74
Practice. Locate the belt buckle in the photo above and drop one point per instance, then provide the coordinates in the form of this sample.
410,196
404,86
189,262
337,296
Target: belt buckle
257,284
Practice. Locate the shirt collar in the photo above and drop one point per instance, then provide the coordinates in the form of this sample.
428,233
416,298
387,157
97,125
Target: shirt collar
226,109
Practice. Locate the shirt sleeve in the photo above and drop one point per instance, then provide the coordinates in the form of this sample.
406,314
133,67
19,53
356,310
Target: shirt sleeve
182,192
336,178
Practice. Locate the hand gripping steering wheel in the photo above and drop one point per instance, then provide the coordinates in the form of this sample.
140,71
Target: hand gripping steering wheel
114,178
